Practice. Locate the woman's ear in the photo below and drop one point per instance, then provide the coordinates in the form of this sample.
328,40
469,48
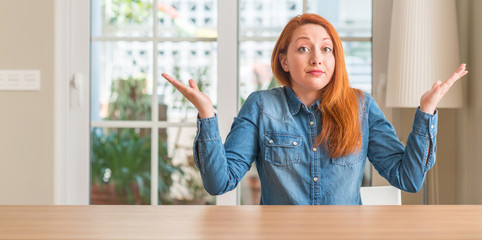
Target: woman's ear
284,62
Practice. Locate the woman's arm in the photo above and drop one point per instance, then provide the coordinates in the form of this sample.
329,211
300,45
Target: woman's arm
406,167
403,167
222,166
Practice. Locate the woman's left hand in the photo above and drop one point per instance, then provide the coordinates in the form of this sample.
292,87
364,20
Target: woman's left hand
429,100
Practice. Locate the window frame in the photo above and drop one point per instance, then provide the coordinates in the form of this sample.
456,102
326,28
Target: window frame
73,124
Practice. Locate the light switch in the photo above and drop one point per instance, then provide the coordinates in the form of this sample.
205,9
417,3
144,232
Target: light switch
20,80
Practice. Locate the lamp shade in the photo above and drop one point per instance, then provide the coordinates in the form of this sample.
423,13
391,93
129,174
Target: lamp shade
423,49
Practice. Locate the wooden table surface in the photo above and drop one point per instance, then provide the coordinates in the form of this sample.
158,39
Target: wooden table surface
241,222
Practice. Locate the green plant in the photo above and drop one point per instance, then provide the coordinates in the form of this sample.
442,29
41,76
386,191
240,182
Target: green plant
122,156
129,100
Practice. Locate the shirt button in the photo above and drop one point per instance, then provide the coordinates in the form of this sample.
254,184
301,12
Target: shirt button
271,141
295,143
315,179
431,126
314,149
311,123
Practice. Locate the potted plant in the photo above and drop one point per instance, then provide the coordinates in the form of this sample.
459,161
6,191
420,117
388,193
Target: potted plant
121,157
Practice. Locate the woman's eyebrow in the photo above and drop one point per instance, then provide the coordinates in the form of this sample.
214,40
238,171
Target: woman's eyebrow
303,38
307,38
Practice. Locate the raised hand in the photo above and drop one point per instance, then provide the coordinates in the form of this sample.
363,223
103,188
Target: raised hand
199,99
430,99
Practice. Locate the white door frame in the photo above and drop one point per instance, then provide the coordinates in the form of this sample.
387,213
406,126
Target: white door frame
71,115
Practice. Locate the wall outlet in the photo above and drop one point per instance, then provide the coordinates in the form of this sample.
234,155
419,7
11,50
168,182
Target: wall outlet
19,80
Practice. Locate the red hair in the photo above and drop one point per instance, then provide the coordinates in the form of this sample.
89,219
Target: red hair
341,129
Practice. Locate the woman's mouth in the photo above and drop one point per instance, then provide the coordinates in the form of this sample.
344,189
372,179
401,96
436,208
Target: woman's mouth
316,72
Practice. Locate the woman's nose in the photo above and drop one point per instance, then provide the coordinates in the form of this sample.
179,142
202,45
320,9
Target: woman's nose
315,59
315,62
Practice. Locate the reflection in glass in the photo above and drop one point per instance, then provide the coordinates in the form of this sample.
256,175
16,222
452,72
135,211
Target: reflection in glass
175,149
184,61
126,18
120,166
266,18
187,18
121,81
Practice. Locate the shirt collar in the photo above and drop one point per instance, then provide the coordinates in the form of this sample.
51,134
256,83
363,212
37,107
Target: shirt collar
295,103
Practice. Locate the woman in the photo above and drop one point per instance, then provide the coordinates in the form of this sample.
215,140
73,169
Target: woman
310,139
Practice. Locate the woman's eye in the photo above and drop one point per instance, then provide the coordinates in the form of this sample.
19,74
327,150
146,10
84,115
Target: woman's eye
303,49
327,50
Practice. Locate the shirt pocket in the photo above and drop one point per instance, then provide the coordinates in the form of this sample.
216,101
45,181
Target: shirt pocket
348,160
282,148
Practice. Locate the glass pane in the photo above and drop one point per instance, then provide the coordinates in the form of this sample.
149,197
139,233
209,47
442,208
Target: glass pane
132,18
179,179
120,166
188,18
184,61
351,18
255,67
121,81
251,187
267,18
358,60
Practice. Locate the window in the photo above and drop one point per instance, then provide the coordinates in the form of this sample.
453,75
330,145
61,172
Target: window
134,41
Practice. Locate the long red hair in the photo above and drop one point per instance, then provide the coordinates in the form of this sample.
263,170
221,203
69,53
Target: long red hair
341,129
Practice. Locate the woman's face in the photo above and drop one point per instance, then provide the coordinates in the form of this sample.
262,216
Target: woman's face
309,60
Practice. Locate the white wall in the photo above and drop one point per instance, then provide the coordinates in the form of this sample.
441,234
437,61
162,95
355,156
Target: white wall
26,117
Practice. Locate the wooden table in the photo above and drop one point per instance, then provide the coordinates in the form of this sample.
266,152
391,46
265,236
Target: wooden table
241,222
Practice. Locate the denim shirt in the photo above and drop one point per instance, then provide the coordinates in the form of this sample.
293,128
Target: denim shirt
277,131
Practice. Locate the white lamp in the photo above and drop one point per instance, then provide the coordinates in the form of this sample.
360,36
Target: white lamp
423,49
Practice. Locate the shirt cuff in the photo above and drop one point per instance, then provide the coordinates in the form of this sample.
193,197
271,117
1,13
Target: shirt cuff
208,128
425,124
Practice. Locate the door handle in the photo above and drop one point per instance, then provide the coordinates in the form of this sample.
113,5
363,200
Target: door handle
77,86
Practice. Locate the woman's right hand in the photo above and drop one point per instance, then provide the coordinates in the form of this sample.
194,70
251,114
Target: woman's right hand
199,99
